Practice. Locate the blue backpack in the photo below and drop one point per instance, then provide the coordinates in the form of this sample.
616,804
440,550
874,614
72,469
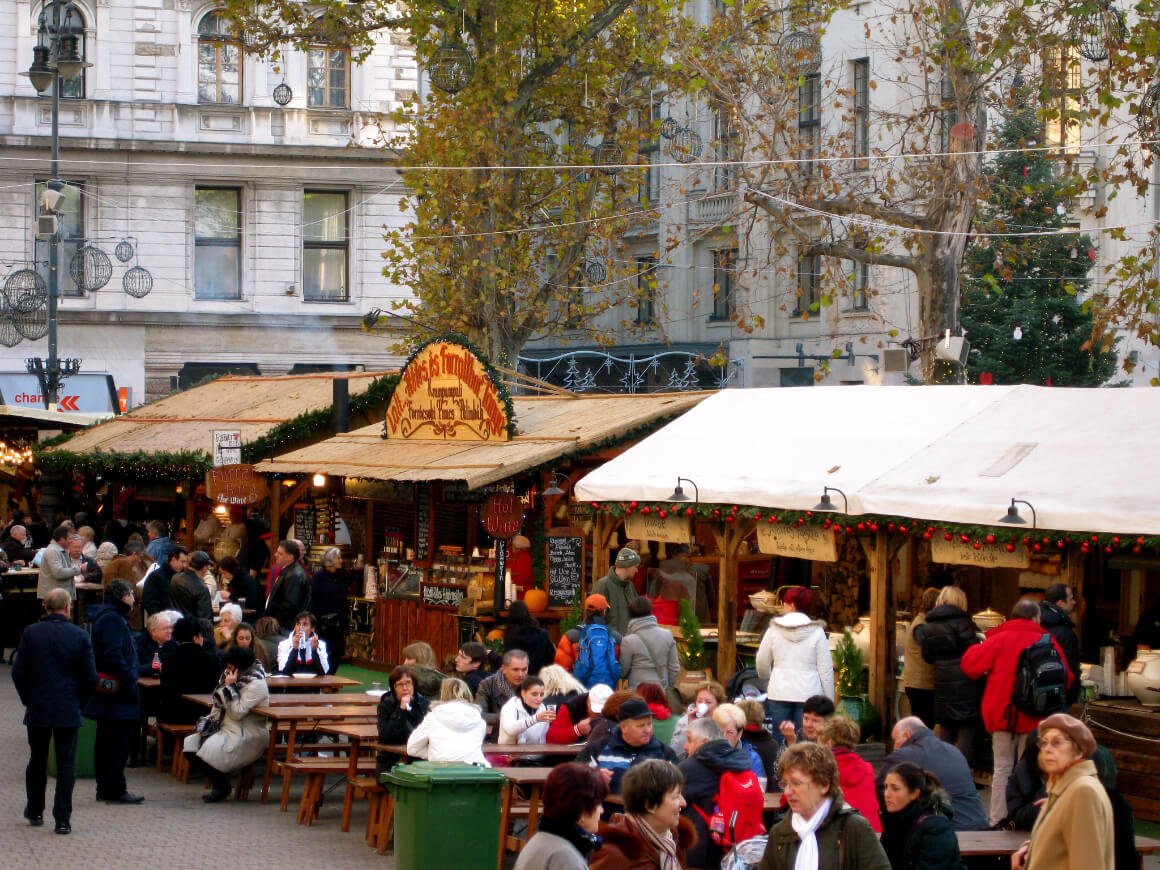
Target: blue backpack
596,662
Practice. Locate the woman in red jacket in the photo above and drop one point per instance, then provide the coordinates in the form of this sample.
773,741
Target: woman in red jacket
855,775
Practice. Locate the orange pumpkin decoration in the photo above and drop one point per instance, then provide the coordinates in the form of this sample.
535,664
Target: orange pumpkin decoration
495,634
537,600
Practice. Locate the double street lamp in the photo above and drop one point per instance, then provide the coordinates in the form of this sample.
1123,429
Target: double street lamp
55,59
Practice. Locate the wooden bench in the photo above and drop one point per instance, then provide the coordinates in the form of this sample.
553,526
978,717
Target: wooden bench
1002,843
179,766
381,814
315,771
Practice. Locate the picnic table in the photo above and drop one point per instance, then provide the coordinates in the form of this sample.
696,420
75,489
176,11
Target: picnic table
513,749
301,699
323,683
290,719
978,843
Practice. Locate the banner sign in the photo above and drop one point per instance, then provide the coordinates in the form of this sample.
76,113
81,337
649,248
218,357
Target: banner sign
227,447
987,556
235,484
800,542
446,394
672,529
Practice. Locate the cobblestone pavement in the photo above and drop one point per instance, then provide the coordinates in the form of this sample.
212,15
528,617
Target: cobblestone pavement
173,829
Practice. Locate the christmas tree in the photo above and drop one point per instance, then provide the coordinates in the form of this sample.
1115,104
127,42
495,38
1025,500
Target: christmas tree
1024,277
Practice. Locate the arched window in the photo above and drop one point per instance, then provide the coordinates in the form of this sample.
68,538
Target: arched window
219,62
328,77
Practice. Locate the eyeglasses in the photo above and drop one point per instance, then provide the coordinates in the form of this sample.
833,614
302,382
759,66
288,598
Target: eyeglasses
1054,743
795,784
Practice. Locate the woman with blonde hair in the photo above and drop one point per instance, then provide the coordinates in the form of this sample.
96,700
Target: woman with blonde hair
946,634
560,685
453,730
420,657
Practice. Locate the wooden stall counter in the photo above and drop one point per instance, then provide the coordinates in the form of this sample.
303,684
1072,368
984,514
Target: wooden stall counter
1132,732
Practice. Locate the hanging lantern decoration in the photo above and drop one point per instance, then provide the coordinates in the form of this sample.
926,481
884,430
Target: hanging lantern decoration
541,145
25,282
9,336
1097,31
90,268
282,94
595,271
800,53
137,282
452,66
124,251
30,316
608,156
1148,119
670,127
686,145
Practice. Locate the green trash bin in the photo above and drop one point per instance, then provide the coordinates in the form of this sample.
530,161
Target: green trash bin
84,762
432,800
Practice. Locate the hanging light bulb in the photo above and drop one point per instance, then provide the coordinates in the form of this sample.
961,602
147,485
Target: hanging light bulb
1018,333
1061,209
1073,253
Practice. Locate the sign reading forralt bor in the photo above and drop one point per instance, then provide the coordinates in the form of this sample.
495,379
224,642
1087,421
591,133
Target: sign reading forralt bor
446,393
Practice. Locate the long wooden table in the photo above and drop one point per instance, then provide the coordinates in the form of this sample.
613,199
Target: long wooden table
324,683
303,699
292,717
513,749
978,843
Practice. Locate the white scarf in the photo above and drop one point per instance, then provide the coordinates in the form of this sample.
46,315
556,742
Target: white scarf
807,856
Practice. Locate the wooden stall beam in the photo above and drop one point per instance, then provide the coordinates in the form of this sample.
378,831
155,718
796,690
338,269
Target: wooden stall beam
882,618
602,531
730,539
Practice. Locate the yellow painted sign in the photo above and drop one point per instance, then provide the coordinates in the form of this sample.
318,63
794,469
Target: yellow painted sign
235,484
987,556
801,542
671,529
445,394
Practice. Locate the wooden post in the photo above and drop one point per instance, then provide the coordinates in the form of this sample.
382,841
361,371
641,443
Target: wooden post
602,531
882,618
189,514
729,541
275,515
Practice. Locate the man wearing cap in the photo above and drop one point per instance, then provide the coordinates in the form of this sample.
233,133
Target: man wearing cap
576,716
617,588
189,592
630,743
595,611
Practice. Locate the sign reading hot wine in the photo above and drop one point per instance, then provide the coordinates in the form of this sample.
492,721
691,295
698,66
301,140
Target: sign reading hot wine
446,393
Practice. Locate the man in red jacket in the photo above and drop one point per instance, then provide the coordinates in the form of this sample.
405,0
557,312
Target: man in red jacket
997,658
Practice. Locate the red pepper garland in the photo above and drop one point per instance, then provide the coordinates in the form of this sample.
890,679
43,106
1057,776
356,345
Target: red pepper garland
1035,541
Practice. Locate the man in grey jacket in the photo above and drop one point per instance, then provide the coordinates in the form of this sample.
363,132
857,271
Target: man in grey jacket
56,568
648,653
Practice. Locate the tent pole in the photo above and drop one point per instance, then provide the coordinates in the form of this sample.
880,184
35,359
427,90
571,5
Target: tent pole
882,618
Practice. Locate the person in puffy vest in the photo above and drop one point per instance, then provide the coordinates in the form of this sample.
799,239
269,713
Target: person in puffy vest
568,648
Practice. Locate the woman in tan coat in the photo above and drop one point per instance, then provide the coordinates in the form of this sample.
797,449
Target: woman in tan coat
1074,830
917,673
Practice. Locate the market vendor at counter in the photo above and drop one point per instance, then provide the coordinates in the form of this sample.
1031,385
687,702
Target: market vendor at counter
519,563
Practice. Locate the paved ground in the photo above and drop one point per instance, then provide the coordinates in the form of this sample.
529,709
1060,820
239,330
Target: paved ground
173,829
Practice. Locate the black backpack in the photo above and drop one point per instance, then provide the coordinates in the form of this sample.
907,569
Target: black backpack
1040,680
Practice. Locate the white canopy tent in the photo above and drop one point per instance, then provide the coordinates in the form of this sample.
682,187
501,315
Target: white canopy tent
1086,459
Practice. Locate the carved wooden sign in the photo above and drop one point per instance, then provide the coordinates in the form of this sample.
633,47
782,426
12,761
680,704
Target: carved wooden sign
987,556
445,394
502,514
671,529
235,484
801,542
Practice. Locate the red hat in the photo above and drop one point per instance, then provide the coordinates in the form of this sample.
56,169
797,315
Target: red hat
596,602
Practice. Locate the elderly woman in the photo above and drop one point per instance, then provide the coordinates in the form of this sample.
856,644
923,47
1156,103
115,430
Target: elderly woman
820,826
232,736
651,834
572,800
328,601
156,644
106,553
794,657
229,619
731,720
916,824
400,711
454,729
1074,828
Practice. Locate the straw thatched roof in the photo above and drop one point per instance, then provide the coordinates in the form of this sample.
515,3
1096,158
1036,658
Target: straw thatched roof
549,427
185,421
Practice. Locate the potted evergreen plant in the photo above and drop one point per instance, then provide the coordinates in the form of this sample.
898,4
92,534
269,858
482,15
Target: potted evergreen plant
691,651
850,676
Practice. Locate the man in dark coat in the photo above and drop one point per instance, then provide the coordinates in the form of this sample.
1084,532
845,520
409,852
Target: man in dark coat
291,593
631,742
54,675
913,741
709,755
191,669
116,704
158,592
189,591
1055,615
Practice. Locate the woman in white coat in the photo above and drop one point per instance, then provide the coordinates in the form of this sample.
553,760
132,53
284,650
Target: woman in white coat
454,729
234,736
523,719
794,657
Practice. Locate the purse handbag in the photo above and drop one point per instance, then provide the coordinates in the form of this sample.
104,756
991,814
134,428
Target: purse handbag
107,684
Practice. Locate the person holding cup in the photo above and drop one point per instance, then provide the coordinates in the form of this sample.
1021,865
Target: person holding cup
705,700
525,718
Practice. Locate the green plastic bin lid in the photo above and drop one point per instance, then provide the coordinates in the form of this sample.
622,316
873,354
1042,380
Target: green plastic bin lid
428,774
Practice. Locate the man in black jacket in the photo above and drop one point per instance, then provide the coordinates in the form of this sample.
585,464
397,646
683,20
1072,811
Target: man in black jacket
291,593
193,668
631,742
1055,616
709,755
54,675
188,589
158,592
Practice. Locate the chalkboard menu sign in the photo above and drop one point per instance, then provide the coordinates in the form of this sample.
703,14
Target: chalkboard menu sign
565,569
422,523
304,519
442,594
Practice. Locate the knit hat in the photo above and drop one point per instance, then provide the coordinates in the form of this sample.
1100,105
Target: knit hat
596,602
1079,733
627,558
633,708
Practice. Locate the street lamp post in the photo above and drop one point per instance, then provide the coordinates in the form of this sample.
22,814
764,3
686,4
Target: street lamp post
55,58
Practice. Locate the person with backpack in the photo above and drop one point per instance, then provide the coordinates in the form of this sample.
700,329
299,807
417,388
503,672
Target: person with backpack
1006,715
916,826
855,775
723,798
591,650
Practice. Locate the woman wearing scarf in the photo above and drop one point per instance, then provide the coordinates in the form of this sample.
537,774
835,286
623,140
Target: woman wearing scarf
1075,827
650,834
821,832
231,736
572,801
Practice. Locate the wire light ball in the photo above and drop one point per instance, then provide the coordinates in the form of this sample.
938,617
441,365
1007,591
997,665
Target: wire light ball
30,316
137,282
283,95
90,268
23,282
800,53
1098,30
124,251
541,144
1148,119
686,146
452,67
9,335
670,127
595,271
608,156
